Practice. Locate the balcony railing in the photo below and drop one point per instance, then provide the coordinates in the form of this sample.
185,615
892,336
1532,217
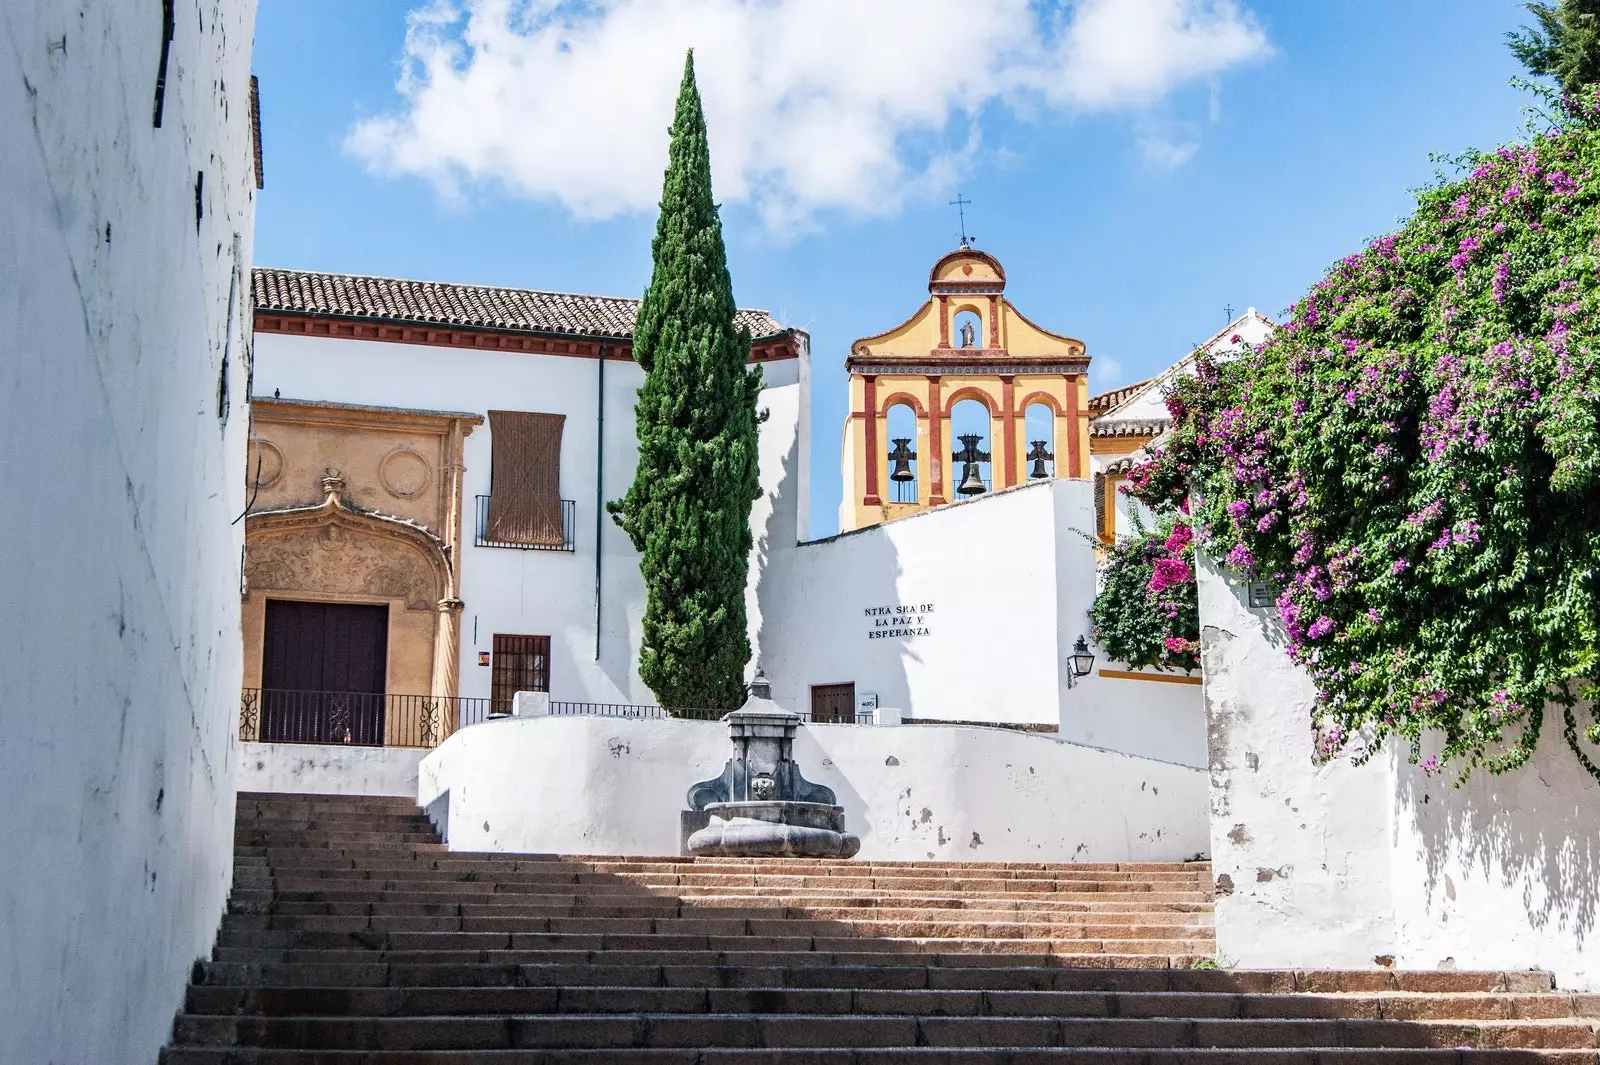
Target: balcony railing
650,712
569,510
357,719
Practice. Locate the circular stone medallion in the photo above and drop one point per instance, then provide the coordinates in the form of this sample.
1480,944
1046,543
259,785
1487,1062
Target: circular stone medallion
404,473
264,464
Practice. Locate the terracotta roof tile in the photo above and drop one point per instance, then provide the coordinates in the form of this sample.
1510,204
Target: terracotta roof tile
1152,427
1106,400
468,306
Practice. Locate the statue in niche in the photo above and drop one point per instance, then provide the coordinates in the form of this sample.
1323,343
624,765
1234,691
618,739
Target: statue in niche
969,335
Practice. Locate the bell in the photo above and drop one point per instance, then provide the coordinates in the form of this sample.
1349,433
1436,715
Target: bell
901,455
1038,456
970,457
971,482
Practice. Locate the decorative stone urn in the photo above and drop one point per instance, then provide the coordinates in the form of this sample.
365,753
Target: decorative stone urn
761,807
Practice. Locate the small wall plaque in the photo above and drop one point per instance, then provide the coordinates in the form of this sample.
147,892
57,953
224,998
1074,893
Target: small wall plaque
1263,595
483,658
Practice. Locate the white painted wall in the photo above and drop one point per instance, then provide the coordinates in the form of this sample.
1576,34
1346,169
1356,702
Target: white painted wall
308,768
1010,577
1000,573
1148,717
1338,865
590,785
119,315
546,592
1300,852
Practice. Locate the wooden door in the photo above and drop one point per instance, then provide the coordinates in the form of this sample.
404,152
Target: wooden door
521,664
833,703
324,668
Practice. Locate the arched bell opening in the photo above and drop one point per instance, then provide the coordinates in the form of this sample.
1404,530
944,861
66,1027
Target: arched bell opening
1039,437
972,436
900,423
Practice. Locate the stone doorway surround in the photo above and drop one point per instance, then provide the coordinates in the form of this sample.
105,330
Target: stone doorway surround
355,504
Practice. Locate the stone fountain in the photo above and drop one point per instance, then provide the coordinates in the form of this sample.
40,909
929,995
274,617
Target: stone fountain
761,806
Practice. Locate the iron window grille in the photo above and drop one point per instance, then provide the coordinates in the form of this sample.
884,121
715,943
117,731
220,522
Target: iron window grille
521,664
568,525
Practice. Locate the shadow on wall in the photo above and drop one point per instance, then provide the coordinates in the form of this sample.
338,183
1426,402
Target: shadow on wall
801,619
1530,837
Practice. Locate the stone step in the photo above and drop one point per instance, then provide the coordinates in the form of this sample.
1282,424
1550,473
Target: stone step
353,935
883,1056
495,919
758,951
908,972
484,894
314,853
768,1030
454,1001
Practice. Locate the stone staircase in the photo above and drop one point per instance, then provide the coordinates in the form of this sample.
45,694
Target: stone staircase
353,935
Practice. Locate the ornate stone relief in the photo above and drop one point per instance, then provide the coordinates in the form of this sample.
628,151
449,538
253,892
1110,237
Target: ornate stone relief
339,561
331,548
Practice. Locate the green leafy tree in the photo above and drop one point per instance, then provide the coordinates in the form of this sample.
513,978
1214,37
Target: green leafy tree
1565,45
688,510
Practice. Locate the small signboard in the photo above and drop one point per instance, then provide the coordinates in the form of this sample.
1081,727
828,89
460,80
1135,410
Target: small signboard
866,705
1263,595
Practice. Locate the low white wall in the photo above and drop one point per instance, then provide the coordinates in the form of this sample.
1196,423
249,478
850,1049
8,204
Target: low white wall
328,770
1345,865
589,785
1502,872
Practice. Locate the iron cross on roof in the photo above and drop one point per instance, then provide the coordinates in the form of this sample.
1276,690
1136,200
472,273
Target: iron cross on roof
961,204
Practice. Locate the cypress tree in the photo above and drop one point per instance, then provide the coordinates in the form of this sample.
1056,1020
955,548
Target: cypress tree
688,510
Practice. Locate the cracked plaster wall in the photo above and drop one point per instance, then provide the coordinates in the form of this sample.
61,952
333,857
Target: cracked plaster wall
123,328
1342,865
589,785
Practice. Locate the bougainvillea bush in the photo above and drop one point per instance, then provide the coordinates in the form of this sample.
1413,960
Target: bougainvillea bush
1415,460
1147,613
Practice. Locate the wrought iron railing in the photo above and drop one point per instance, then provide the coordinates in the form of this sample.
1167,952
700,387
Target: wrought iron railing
359,719
569,510
648,711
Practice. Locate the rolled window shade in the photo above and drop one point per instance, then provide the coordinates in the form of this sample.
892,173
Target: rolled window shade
525,483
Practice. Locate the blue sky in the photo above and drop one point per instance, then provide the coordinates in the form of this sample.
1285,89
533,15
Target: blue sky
1135,179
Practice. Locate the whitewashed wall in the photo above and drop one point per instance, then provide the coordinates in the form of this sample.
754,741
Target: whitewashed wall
308,768
545,592
1154,718
589,785
121,316
1007,578
1344,865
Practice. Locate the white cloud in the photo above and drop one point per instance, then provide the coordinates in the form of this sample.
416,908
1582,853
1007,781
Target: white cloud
1165,153
812,104
1107,372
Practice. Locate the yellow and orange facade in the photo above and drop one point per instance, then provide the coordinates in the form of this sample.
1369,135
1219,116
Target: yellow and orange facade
998,358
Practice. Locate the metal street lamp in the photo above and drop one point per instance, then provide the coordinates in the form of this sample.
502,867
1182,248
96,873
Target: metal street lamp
1081,661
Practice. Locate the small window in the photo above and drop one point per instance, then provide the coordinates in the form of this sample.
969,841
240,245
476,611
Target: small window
521,664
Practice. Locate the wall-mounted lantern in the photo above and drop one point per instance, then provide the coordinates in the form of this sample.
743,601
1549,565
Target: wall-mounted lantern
1080,662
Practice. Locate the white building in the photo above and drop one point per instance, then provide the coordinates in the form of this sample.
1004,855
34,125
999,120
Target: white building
559,612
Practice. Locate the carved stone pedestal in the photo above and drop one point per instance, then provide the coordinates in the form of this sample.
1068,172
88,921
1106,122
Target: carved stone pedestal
761,806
